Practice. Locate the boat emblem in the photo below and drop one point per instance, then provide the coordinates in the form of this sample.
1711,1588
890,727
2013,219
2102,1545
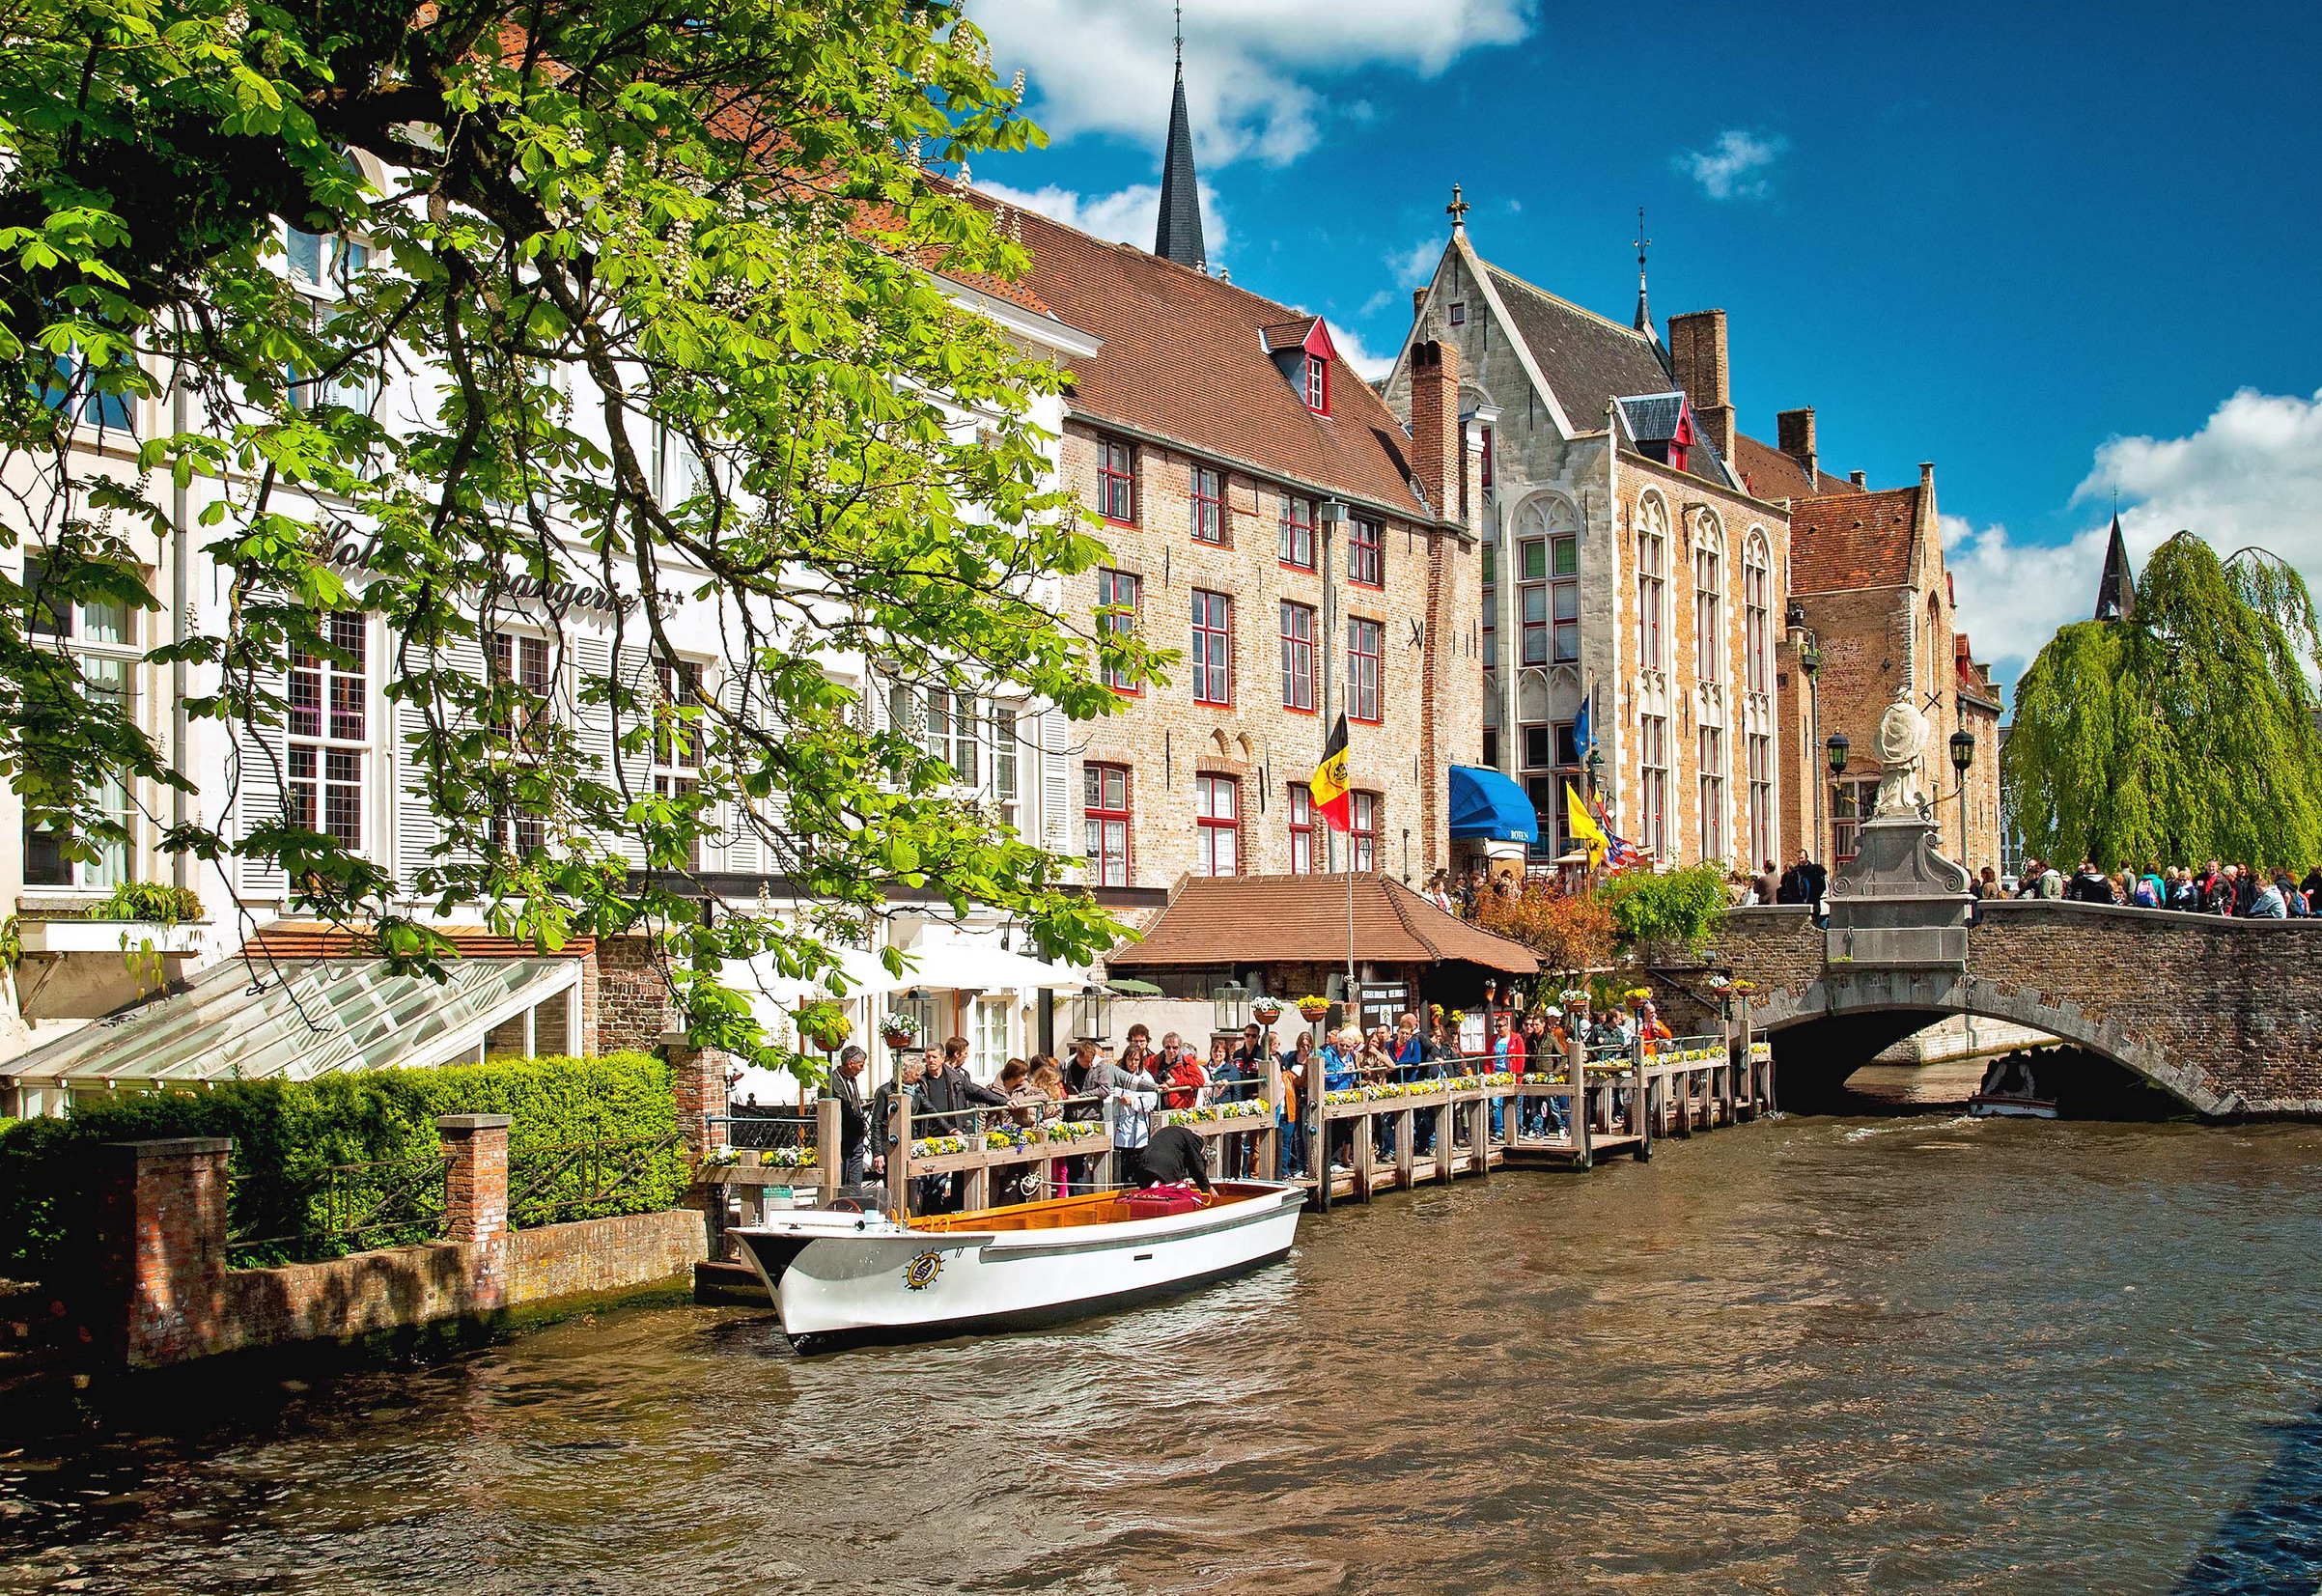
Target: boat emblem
921,1272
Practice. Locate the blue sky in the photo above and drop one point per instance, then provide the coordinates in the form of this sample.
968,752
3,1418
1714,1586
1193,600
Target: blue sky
2056,252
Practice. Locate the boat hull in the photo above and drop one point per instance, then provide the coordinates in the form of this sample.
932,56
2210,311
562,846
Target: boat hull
1984,1106
911,1285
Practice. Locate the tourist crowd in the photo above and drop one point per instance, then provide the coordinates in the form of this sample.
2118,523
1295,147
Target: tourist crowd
2243,892
1130,1092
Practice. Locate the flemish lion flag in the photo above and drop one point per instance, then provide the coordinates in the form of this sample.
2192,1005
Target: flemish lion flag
1330,783
1584,827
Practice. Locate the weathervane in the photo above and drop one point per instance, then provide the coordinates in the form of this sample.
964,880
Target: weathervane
1457,211
1180,41
1643,244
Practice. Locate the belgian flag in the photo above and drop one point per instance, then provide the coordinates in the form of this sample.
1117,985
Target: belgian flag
1332,799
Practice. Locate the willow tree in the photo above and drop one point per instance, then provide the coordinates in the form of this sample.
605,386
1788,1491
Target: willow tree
590,225
2182,734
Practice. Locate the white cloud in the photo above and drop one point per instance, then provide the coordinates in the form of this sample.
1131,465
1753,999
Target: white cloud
2251,476
1734,167
1127,215
1415,267
1367,366
1105,68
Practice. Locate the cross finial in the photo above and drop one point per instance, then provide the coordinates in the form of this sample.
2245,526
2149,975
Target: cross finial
1457,211
1181,39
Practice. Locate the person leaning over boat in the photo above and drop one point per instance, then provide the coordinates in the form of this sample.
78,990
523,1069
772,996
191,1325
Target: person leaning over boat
844,1086
1175,1156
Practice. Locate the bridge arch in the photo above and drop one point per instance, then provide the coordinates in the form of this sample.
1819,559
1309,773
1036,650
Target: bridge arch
1839,994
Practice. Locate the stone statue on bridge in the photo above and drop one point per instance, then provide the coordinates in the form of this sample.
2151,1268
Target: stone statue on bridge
1902,740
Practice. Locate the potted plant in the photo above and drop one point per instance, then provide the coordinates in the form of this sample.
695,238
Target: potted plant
1266,1010
1313,1007
899,1030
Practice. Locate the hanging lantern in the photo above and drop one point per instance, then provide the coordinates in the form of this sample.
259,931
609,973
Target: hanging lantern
1230,1006
1092,1015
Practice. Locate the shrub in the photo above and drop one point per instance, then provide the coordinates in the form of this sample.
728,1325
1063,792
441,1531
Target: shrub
1678,907
288,1135
1568,929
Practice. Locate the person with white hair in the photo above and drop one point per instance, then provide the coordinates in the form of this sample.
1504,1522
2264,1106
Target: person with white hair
1340,1051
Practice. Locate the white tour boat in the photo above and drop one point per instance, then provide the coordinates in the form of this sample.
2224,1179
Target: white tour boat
2009,1091
841,1279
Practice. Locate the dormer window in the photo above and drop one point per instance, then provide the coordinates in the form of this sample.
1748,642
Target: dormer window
1318,384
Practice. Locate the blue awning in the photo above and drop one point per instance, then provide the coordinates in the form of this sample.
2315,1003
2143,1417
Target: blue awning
1483,803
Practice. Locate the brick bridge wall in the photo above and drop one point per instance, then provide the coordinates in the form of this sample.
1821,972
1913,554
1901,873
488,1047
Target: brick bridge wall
2226,1015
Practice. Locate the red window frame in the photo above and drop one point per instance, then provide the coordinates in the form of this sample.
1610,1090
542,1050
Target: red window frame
1209,505
1212,648
1366,552
1217,827
1296,546
1756,620
1366,691
1127,590
1318,384
1105,819
1652,599
1116,482
1363,831
1301,829
1709,616
1301,685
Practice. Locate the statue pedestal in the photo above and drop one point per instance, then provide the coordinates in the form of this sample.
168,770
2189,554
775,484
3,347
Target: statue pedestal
1898,904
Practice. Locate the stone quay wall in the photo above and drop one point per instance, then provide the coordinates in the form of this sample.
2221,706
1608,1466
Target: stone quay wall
2224,1014
166,1296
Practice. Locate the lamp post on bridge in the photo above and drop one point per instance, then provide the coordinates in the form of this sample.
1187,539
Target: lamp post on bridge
1963,757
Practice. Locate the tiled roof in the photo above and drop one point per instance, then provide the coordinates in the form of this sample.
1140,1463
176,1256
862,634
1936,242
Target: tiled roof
1772,475
1588,360
1302,919
1184,359
1852,540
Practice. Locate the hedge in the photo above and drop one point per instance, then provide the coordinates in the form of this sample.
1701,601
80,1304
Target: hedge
288,1135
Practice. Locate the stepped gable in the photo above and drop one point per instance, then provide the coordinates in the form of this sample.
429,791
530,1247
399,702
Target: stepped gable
1853,540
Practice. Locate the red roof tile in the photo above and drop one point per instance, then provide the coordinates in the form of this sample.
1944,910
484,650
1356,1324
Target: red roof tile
1184,359
1769,474
1302,919
1852,540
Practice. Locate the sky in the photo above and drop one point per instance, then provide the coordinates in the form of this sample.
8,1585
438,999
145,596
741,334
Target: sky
2062,252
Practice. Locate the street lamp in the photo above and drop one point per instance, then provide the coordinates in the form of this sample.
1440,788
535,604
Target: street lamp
1230,1006
1836,747
1963,755
1092,1015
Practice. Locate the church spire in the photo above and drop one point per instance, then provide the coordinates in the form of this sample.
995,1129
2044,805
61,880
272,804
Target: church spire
1178,235
1645,312
2117,592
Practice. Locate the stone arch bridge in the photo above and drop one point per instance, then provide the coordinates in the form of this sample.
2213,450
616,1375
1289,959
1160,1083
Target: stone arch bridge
2224,1015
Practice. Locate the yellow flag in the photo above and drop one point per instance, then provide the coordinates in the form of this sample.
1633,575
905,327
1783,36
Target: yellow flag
1584,827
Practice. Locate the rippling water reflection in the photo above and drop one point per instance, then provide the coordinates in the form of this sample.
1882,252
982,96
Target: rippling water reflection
1912,1354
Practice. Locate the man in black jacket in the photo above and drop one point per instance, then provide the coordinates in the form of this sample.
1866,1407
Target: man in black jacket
1174,1155
844,1087
946,1091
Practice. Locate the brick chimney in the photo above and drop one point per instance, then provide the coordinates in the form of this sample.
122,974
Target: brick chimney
1418,302
1437,458
1796,436
1697,353
1858,479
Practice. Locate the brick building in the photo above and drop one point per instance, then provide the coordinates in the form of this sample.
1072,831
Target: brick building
1269,518
1627,565
1870,593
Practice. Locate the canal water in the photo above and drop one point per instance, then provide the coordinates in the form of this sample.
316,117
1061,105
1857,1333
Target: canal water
1899,1352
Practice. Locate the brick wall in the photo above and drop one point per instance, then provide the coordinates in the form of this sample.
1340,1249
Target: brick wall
633,1010
166,1296
1168,741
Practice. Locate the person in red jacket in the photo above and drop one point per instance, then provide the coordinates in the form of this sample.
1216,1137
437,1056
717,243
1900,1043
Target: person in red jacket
1180,1075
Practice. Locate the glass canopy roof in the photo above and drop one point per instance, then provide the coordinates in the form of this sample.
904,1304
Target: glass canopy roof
296,1020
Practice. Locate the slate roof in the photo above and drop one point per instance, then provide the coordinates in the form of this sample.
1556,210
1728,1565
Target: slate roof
1302,919
1177,234
1853,540
1184,359
1769,474
1590,361
1653,417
